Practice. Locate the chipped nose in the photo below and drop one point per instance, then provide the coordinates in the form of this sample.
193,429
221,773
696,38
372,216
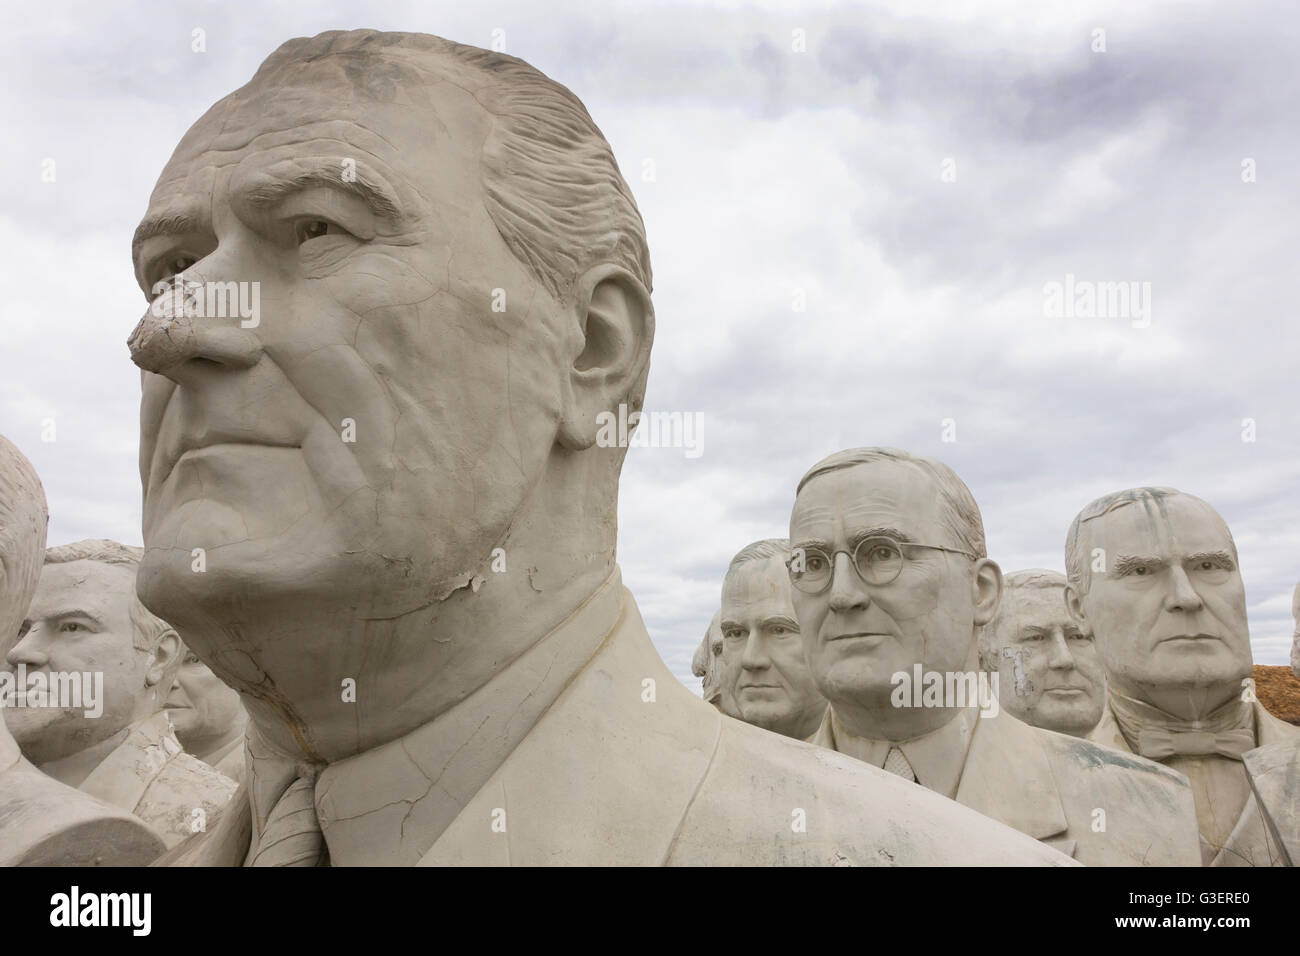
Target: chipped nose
166,337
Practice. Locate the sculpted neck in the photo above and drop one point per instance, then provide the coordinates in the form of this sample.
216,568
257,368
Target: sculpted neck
878,717
368,682
75,768
1183,701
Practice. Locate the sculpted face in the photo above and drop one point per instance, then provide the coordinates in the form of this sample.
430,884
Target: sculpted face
1169,611
376,309
363,317
763,659
203,709
1049,674
857,635
81,622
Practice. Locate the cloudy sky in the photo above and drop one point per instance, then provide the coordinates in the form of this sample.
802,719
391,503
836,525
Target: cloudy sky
853,211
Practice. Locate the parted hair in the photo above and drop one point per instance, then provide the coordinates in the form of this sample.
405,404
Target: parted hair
149,628
961,515
551,184
1076,542
767,548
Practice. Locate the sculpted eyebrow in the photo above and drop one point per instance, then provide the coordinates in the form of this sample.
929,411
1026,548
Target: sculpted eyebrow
1223,557
164,226
860,536
375,195
783,621
1127,562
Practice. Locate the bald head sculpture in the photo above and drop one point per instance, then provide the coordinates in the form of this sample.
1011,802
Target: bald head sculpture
437,335
1048,671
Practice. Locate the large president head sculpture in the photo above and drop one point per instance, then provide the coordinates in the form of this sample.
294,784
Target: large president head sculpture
763,667
1153,574
1048,671
889,572
452,282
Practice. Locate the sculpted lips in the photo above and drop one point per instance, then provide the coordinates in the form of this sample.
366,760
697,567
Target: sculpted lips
216,439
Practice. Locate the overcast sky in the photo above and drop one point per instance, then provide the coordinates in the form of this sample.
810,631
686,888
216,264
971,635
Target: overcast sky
913,180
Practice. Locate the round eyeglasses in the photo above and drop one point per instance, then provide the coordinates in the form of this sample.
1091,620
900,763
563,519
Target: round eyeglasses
877,560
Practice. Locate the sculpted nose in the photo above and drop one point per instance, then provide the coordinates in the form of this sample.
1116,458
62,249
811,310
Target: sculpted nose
755,656
29,651
1058,652
1182,596
848,593
170,336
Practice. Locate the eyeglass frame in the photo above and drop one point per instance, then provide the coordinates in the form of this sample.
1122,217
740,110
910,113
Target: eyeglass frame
853,561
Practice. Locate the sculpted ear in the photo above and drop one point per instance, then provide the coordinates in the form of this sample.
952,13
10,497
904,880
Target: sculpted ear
616,319
167,657
1074,607
987,590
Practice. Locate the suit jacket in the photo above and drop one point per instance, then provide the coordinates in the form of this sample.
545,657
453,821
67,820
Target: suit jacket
628,767
150,776
1249,843
1274,772
1050,786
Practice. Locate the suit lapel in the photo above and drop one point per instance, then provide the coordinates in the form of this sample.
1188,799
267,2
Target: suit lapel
575,790
1008,777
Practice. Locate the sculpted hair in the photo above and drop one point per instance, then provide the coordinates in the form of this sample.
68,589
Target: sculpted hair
551,184
767,548
23,523
148,627
961,515
1077,566
1034,578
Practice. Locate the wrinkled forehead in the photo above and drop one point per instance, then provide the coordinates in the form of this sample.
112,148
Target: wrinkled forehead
91,586
889,496
1033,605
1172,525
765,580
416,125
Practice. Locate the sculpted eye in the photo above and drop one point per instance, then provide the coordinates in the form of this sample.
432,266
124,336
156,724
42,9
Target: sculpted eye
173,265
306,230
70,627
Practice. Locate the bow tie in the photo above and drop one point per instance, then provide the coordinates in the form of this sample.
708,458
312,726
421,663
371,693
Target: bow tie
1157,744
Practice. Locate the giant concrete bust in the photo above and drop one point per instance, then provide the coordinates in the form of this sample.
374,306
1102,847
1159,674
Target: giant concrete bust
1048,671
892,584
44,822
86,622
763,666
706,662
1154,575
379,509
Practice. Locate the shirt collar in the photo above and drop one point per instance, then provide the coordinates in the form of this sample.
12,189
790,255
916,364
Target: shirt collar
1133,716
937,758
431,773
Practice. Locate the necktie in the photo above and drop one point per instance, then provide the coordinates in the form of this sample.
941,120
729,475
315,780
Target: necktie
896,763
1158,744
292,835
1228,731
